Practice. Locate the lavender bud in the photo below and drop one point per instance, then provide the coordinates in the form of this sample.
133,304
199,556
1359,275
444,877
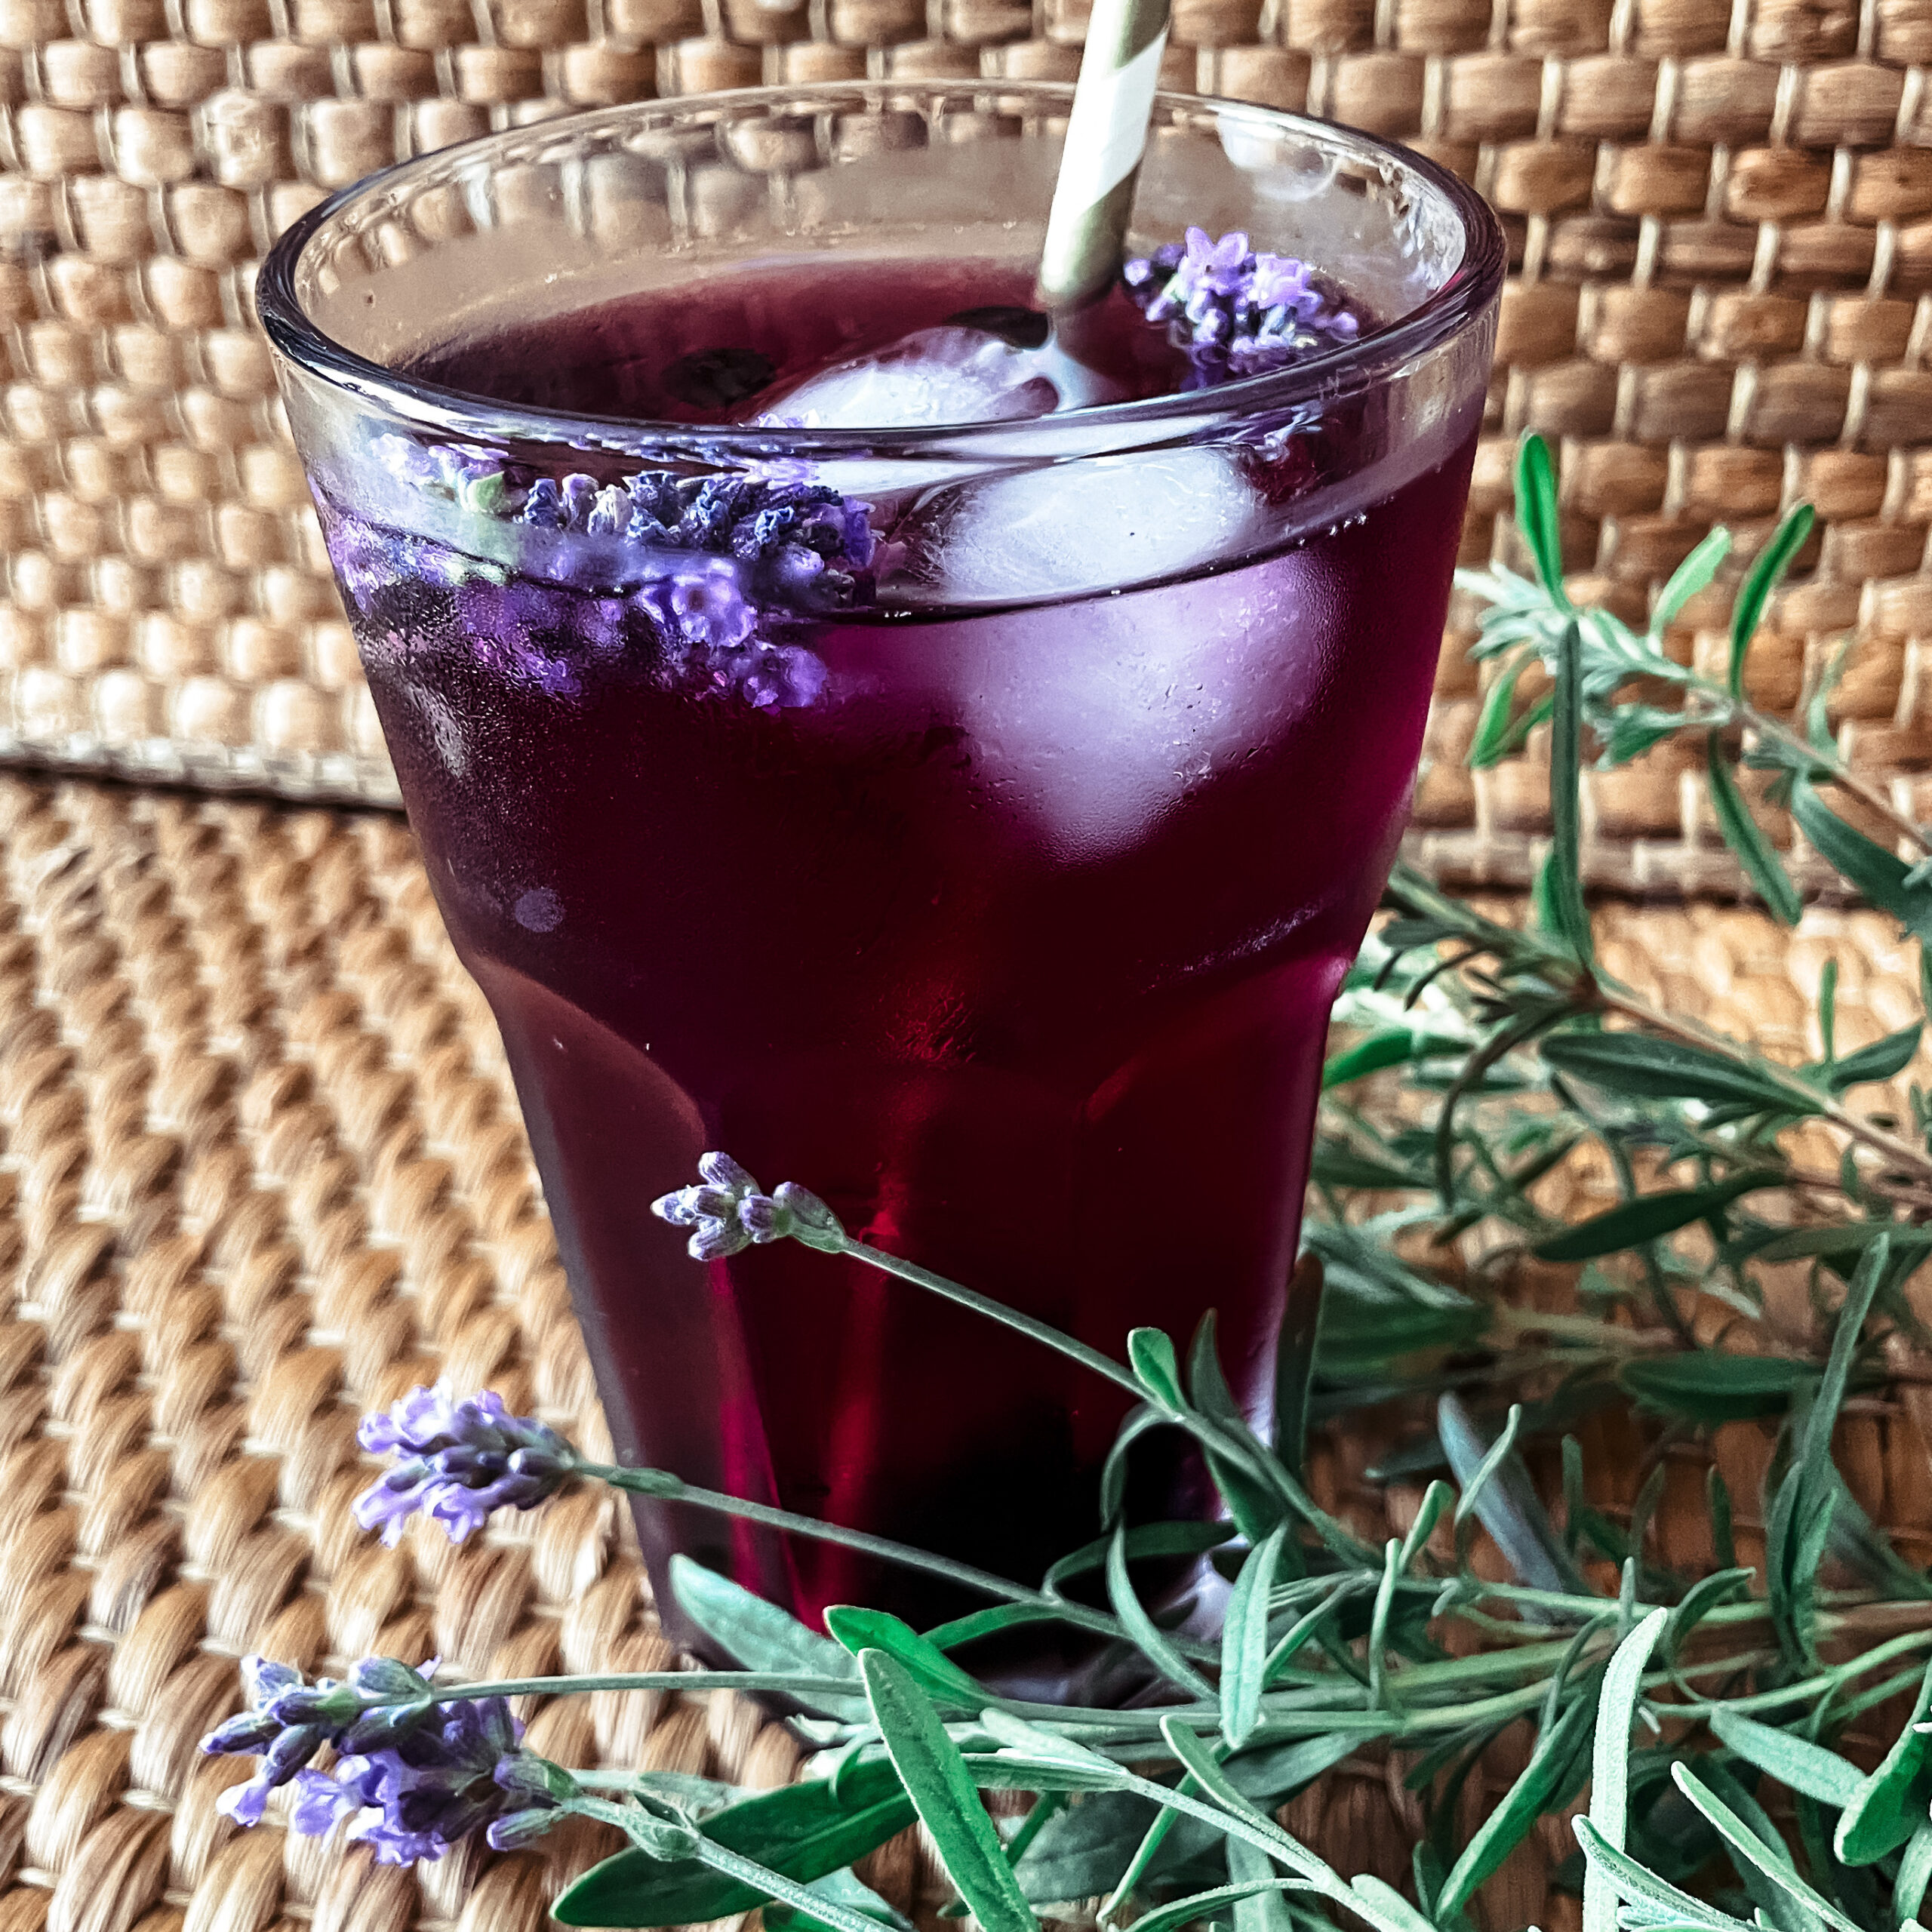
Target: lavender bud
378,1729
680,1207
810,1214
761,1217
721,1171
716,1240
250,1732
327,1703
515,1829
528,1776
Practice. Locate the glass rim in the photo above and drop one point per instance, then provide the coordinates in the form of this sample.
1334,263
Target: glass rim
1461,302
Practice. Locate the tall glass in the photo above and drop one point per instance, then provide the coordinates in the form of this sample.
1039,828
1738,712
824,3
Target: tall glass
979,839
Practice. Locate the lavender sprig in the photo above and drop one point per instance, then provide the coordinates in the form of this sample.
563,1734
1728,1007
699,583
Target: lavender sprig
728,1212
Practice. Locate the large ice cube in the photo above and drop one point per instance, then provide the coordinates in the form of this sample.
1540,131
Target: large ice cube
932,377
1096,524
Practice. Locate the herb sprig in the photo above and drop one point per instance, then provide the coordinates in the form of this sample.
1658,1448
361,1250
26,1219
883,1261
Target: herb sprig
1711,1718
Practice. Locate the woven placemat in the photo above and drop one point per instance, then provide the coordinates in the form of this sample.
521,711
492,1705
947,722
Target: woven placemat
263,1170
1721,212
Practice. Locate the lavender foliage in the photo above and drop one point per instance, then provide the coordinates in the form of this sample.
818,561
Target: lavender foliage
457,1461
1235,312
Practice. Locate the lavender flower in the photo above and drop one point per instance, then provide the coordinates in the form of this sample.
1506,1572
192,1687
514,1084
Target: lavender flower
415,1775
461,1770
1236,312
715,571
728,1212
288,1719
461,1460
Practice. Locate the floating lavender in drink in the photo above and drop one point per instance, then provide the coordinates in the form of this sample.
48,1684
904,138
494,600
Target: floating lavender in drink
844,727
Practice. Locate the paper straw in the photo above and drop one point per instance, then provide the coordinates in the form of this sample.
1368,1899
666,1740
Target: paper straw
1105,136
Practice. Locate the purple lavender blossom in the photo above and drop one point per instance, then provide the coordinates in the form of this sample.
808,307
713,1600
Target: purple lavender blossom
716,570
461,1770
728,1212
415,1775
1235,313
461,1460
288,1719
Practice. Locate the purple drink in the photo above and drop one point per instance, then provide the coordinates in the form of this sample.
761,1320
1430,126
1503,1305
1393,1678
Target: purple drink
975,838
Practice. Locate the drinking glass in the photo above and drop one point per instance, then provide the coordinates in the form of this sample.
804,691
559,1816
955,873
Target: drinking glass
971,823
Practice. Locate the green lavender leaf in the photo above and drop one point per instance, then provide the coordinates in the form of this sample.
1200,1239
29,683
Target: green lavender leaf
1794,1761
1709,1385
1690,577
987,1623
1113,1471
1201,1904
1207,1386
1746,839
1497,733
858,1630
943,1794
1888,1806
1295,1348
761,1635
1915,1871
1387,1047
1082,1851
1609,1776
1661,1905
1148,1637
1652,1070
1565,874
1151,1353
1879,875
1264,1909
1651,1216
1767,567
1549,1780
1703,1596
1143,1540
1849,1238
1800,1521
1435,1499
840,1888
1777,1910
1879,1061
1244,1641
1776,1866
1497,1486
1536,514
801,1831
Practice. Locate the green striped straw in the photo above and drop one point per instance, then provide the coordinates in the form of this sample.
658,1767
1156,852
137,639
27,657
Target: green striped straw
1107,135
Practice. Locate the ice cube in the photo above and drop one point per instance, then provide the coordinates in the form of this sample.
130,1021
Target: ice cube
1096,524
933,376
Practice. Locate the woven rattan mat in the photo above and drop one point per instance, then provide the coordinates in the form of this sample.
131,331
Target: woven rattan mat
260,1169
1721,212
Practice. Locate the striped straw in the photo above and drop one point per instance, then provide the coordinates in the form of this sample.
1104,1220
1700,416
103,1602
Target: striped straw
1107,135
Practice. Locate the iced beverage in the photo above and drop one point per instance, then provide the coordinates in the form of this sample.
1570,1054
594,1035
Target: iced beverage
828,747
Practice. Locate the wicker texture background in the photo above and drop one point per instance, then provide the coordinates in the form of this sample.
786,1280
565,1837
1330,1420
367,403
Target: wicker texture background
260,1169
1722,211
